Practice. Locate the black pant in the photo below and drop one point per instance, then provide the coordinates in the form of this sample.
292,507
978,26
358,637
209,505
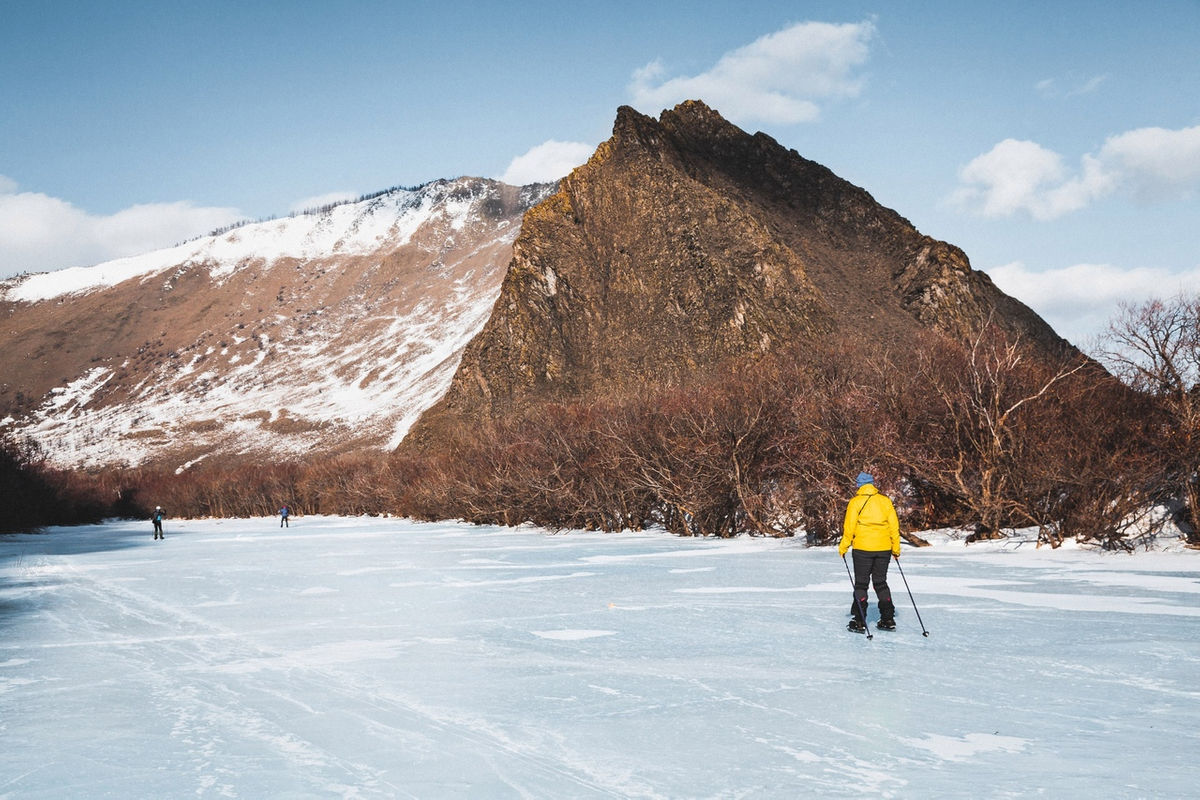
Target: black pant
870,568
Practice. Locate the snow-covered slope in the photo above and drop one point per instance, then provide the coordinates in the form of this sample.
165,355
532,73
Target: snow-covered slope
327,331
360,228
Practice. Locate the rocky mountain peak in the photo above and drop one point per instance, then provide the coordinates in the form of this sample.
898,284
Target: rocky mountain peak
683,244
686,241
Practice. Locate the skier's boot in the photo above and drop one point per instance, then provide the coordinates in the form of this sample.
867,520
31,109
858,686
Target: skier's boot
887,615
857,609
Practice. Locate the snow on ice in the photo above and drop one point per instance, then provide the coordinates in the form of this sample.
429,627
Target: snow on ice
364,658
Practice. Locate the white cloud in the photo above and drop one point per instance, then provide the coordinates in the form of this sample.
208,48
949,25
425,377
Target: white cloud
1155,163
39,233
1080,300
317,201
1011,176
777,78
1148,164
549,161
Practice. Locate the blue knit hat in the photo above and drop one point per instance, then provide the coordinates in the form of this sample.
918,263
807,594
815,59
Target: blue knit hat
864,478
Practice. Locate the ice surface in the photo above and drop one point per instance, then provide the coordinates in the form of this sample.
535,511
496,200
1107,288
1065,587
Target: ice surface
383,658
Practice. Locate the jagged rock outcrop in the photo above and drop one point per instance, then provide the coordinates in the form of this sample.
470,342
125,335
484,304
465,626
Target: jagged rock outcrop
684,242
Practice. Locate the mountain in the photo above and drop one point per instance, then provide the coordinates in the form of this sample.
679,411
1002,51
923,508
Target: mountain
324,332
685,243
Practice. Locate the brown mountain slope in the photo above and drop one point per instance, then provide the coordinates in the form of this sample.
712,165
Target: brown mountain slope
685,241
322,333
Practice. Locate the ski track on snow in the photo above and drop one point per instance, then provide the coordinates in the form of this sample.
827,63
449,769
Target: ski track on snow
200,720
376,658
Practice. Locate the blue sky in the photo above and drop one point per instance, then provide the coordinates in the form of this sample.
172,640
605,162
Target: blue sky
1057,143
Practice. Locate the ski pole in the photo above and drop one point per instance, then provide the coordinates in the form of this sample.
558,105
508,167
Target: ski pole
910,597
857,601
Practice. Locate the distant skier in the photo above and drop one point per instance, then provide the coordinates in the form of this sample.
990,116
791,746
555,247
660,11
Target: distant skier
157,518
284,513
871,528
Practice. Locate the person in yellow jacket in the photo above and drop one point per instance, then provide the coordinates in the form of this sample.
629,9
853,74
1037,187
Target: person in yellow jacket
872,530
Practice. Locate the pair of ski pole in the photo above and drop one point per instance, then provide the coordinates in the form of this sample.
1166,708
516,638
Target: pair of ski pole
863,611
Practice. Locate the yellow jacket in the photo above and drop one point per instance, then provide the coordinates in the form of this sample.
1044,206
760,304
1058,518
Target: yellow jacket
870,523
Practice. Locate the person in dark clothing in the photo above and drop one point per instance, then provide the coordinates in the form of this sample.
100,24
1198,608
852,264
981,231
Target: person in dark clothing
284,513
872,529
157,518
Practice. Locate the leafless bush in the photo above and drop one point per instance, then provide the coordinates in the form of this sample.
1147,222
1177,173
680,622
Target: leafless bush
766,448
706,454
1155,349
36,495
1009,440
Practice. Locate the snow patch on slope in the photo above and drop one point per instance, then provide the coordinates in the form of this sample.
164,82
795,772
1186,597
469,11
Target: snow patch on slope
350,229
358,366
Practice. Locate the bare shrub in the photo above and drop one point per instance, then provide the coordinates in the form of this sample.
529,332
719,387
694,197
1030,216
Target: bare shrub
766,448
1155,348
707,454
36,495
979,423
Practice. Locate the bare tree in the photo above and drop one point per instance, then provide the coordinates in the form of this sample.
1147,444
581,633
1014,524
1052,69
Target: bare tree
986,438
1155,348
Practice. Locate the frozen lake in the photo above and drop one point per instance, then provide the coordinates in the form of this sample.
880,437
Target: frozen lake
369,658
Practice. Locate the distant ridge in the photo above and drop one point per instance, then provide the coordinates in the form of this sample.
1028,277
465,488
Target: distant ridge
326,331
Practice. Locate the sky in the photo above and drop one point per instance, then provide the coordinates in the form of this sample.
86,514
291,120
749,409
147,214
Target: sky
1056,143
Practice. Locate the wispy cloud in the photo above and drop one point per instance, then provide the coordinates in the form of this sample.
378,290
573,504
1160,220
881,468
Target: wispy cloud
1080,300
39,233
549,161
1087,87
778,78
1053,88
1148,164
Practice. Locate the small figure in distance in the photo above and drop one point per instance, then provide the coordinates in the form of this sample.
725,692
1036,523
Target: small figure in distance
157,518
284,513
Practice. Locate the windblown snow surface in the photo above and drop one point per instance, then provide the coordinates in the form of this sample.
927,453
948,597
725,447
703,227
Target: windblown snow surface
364,658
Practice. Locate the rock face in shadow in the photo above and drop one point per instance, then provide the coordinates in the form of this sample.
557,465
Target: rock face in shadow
685,242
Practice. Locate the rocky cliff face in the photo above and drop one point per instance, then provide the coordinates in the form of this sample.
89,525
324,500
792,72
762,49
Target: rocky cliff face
685,241
322,333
